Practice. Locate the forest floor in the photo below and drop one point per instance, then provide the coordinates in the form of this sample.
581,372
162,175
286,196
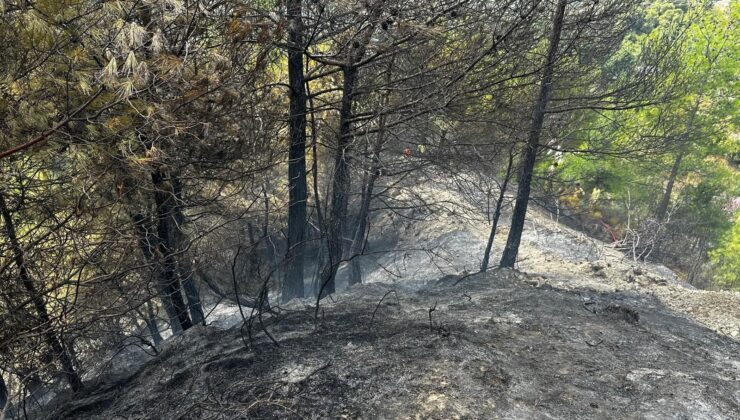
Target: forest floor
497,346
579,331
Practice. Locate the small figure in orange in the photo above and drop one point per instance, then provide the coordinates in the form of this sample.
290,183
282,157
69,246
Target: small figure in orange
407,153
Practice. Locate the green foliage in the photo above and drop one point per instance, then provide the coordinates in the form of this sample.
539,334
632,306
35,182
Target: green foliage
695,131
726,258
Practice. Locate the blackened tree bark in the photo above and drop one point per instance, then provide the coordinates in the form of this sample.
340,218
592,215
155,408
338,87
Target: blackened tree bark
358,240
270,249
342,181
3,395
45,325
192,294
254,257
164,250
147,244
318,203
340,186
184,265
152,325
497,213
298,190
508,259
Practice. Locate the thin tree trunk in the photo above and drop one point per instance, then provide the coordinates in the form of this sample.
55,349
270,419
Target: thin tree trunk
662,210
60,353
184,266
297,187
321,251
3,397
151,324
358,240
342,180
147,245
508,259
497,212
163,198
366,175
192,294
68,345
269,247
254,259
340,187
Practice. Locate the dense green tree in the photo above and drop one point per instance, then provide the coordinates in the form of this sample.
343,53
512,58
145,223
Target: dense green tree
680,151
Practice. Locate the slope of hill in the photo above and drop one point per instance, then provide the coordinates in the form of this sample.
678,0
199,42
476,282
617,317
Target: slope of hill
579,331
492,346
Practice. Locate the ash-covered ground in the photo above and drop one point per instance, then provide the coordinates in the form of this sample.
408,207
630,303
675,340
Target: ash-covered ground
579,331
496,345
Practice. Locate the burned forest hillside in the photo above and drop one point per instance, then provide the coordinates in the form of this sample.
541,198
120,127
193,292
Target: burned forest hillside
218,209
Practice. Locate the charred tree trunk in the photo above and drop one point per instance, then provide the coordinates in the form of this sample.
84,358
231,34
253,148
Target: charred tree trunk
254,259
3,396
164,250
508,259
192,294
358,239
298,190
147,244
184,265
50,336
342,180
151,324
270,249
340,186
321,254
497,212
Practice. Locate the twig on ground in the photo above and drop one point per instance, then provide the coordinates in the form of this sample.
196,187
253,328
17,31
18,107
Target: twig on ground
372,319
463,278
